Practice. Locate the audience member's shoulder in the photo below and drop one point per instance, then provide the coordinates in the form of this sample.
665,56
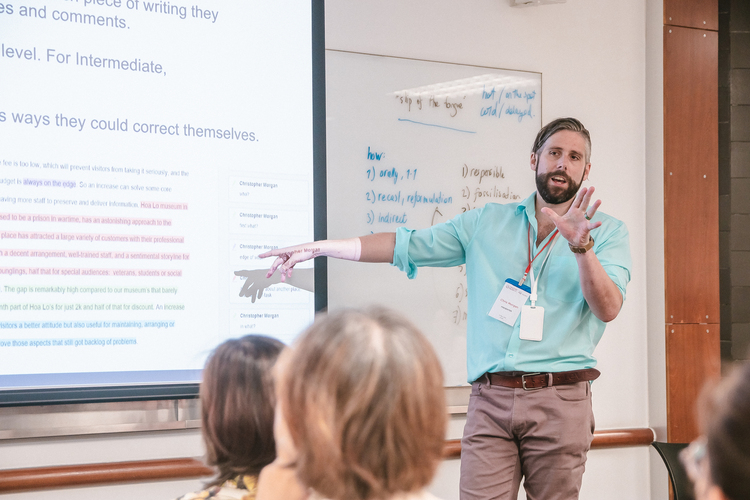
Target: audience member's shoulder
240,488
277,482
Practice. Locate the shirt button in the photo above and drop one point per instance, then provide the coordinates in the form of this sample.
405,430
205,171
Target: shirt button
510,355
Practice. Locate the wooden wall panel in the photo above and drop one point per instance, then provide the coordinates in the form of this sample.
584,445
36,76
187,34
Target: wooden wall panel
40,478
693,357
691,181
701,14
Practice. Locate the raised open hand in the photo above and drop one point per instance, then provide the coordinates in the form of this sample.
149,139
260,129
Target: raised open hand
576,224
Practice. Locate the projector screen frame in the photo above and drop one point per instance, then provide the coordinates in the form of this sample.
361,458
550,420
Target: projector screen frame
180,391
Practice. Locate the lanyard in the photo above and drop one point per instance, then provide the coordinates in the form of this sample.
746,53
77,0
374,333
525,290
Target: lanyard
532,259
535,281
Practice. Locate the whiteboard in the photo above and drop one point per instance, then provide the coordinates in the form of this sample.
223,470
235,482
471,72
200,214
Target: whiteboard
413,143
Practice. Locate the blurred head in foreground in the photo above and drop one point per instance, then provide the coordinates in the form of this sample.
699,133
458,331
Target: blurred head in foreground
361,410
237,406
719,461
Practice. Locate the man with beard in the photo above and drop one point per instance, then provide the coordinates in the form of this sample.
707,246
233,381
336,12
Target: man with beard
537,308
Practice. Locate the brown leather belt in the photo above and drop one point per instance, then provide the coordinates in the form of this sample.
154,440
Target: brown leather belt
533,381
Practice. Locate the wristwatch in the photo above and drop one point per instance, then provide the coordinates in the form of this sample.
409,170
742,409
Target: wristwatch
588,246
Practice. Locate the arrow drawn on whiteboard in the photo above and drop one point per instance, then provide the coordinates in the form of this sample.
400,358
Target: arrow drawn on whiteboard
433,125
433,216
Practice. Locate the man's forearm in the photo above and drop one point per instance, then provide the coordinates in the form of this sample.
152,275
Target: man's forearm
377,247
371,248
600,292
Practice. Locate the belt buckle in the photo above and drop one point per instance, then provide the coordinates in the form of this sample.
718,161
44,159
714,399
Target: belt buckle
523,382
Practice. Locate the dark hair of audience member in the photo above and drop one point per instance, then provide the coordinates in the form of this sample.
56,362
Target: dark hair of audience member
362,396
237,406
725,419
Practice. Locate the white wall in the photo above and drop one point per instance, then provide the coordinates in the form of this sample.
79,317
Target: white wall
654,223
600,62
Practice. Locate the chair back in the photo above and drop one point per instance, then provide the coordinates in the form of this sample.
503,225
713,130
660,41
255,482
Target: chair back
681,484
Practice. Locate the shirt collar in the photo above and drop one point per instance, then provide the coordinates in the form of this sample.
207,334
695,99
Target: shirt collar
529,206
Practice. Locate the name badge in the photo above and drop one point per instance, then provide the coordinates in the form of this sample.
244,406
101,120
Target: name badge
508,304
532,323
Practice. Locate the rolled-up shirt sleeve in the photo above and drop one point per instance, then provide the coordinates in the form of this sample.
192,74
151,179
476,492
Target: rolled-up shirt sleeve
614,255
442,245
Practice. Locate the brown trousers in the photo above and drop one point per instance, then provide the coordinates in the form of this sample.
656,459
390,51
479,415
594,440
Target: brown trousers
542,436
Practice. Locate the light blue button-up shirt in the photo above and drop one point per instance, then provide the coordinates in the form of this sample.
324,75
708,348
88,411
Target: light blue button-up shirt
493,243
